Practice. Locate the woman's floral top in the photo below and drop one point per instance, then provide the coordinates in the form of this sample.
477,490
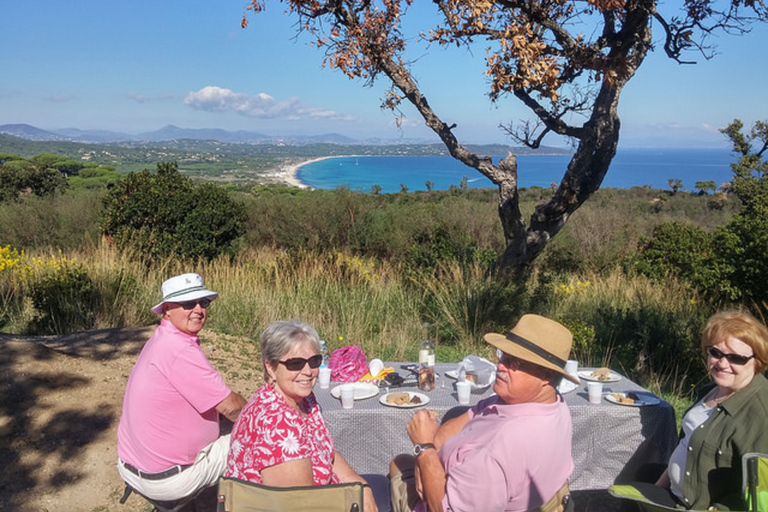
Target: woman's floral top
269,432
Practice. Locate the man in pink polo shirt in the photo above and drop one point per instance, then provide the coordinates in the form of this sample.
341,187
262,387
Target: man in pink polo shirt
509,453
168,440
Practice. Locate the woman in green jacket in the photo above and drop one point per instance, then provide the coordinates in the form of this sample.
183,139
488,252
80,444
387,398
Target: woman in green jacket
704,471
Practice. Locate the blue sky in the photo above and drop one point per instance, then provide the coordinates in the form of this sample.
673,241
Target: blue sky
139,65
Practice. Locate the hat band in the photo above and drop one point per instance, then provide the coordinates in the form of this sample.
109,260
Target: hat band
549,356
183,292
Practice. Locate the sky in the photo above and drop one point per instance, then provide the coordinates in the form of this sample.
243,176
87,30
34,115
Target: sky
139,65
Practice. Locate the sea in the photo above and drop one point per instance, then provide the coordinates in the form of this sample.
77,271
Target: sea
633,167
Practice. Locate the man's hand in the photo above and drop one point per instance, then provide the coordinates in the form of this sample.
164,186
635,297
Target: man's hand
422,427
231,406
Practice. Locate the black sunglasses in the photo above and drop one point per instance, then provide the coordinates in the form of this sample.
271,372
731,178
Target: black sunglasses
295,364
190,304
737,359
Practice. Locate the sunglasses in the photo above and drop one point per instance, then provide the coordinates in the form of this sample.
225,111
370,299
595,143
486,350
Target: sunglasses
508,361
190,304
295,364
737,359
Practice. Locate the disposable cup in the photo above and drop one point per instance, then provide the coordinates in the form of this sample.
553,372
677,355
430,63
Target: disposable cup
324,377
571,367
463,390
375,366
595,391
347,397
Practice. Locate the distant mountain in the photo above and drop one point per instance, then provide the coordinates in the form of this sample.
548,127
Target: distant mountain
95,136
185,136
171,132
29,132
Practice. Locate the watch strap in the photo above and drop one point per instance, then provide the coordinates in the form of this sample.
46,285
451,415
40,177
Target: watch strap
420,448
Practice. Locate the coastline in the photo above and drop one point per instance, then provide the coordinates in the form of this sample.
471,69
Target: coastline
289,171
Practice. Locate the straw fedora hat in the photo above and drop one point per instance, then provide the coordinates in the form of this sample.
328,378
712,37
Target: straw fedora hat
183,288
538,340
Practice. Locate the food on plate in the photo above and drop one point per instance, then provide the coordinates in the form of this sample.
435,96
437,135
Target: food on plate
601,374
624,399
415,400
399,398
471,377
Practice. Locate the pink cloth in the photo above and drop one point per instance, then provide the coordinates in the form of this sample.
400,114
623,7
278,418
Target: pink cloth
510,458
169,410
269,432
348,364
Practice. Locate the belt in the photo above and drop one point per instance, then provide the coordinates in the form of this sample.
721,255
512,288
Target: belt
175,470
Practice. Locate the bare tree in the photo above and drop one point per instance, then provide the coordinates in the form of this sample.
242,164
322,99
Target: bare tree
565,60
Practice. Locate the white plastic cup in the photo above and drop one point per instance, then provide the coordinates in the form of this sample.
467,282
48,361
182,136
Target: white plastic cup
375,367
324,377
463,389
347,397
572,367
595,391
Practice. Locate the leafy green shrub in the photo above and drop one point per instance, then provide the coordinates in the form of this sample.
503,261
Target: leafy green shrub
64,298
164,214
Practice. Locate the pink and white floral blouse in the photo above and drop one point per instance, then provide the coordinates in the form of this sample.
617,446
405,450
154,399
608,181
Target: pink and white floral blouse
269,432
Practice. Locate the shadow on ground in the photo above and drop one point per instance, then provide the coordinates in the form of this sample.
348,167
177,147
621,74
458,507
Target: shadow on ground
32,434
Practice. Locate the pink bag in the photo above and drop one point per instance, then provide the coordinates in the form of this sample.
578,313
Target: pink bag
348,364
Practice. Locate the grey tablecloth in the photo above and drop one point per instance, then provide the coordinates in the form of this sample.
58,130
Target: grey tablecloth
609,441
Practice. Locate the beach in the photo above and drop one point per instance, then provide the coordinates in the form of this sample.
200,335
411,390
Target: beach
288,172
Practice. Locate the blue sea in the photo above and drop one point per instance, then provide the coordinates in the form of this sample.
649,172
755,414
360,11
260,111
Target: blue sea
630,168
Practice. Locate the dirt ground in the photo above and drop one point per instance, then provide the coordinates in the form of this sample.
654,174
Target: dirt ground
60,402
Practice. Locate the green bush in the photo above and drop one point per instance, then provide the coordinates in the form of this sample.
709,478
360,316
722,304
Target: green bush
164,214
64,299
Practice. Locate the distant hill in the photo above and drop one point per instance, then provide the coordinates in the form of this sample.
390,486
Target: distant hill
195,136
171,133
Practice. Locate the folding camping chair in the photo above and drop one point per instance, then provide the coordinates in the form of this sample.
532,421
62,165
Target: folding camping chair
755,486
237,495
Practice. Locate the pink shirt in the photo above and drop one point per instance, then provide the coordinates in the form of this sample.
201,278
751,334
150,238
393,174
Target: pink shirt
169,410
269,432
508,458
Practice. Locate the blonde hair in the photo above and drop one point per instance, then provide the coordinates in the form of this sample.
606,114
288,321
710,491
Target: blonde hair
742,325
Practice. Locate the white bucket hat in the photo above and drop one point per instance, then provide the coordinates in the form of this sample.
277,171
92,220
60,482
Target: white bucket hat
183,288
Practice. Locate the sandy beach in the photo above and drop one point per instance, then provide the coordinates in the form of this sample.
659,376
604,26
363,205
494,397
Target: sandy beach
288,172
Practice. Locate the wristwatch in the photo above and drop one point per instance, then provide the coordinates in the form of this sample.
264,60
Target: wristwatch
420,448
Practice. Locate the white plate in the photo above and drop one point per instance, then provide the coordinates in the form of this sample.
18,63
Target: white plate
424,400
363,390
454,374
642,399
587,375
566,386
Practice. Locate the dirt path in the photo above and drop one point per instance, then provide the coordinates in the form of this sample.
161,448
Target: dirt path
60,400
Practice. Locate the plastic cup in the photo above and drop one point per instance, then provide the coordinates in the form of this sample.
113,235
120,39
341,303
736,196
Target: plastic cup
324,377
375,366
463,389
347,397
595,391
571,367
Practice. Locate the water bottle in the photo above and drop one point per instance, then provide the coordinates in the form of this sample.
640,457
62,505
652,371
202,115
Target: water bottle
426,365
324,353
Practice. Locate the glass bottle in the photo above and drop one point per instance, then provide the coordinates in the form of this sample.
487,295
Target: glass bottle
324,353
426,364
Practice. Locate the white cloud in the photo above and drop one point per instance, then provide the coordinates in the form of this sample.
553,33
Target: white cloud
138,98
262,105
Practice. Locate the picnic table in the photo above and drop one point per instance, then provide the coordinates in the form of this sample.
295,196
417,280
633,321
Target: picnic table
610,441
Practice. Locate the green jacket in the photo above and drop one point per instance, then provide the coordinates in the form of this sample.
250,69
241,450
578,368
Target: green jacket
739,425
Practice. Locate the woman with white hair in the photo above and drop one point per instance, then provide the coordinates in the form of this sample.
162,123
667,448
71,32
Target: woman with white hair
280,438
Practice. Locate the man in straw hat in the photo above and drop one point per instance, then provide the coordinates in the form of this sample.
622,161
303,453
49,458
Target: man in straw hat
511,452
168,440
